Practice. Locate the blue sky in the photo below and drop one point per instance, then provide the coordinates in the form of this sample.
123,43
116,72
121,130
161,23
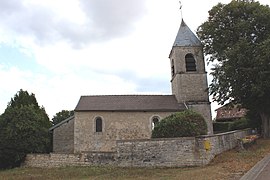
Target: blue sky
60,50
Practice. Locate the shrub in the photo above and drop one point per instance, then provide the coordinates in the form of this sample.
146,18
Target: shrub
219,127
181,124
239,124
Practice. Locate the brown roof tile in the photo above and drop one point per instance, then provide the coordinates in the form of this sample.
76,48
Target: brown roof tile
129,103
229,112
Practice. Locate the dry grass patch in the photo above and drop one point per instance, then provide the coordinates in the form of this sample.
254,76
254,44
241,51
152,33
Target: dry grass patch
229,165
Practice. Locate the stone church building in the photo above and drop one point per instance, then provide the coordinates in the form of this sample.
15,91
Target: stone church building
99,121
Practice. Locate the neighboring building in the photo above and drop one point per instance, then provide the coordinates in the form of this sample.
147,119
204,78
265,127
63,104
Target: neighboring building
230,112
101,120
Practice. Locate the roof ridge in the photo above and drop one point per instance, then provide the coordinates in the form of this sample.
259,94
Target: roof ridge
128,103
128,95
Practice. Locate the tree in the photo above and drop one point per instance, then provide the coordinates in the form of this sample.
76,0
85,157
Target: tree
236,38
23,129
23,98
181,124
62,115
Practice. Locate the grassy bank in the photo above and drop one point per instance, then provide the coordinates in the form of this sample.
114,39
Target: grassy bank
229,165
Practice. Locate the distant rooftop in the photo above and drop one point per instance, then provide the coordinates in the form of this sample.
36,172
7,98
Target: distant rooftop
230,112
185,37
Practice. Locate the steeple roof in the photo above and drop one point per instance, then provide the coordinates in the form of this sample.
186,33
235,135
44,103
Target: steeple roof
185,37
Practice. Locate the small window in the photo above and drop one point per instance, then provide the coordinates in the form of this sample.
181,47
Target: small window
190,63
98,124
172,68
155,121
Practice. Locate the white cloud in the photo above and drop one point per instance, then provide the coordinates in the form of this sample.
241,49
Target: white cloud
58,92
92,47
77,22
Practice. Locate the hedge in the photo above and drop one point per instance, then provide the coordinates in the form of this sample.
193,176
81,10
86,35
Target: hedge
181,124
239,124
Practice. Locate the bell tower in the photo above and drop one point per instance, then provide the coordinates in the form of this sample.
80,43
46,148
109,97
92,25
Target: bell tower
188,75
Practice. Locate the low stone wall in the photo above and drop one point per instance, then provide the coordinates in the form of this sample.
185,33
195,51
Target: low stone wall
176,152
172,152
51,160
58,160
157,152
210,146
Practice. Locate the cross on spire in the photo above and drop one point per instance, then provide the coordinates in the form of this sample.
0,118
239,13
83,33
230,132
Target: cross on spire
181,9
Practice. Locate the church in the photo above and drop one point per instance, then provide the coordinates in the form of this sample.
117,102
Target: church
99,121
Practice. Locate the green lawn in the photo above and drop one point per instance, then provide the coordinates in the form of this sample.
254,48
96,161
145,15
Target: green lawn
229,165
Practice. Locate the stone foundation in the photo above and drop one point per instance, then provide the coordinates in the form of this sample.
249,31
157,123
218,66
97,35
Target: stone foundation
172,152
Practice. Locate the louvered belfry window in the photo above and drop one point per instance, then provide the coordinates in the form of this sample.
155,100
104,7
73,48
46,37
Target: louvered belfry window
190,63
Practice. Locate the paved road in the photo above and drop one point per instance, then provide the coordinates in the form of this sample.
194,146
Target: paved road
261,171
265,173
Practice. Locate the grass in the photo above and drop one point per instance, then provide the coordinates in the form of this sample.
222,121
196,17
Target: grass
229,166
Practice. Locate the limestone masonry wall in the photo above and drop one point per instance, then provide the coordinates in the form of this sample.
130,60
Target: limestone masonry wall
172,152
157,152
116,126
63,138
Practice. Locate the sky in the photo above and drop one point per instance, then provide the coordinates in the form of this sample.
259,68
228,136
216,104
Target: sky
60,50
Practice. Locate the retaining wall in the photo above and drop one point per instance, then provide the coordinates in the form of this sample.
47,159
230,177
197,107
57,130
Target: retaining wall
172,152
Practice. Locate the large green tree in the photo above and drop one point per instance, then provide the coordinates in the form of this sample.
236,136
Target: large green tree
236,39
62,115
23,129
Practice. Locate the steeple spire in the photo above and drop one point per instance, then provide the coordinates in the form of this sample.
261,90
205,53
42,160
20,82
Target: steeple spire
185,37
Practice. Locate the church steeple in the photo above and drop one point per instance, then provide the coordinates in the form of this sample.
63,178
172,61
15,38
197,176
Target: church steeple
186,57
189,78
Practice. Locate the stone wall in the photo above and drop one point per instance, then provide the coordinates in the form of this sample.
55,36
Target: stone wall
172,152
204,109
189,86
176,152
116,126
218,143
51,160
63,137
157,152
59,160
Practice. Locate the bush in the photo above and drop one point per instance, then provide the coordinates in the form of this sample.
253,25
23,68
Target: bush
181,124
239,124
219,127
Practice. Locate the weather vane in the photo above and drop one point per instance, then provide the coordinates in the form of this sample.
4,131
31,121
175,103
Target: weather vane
181,9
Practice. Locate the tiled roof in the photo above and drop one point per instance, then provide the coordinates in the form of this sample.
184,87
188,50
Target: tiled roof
185,37
62,122
230,113
164,103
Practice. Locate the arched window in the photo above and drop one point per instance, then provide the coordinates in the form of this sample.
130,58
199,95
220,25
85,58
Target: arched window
98,124
172,68
155,121
190,63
